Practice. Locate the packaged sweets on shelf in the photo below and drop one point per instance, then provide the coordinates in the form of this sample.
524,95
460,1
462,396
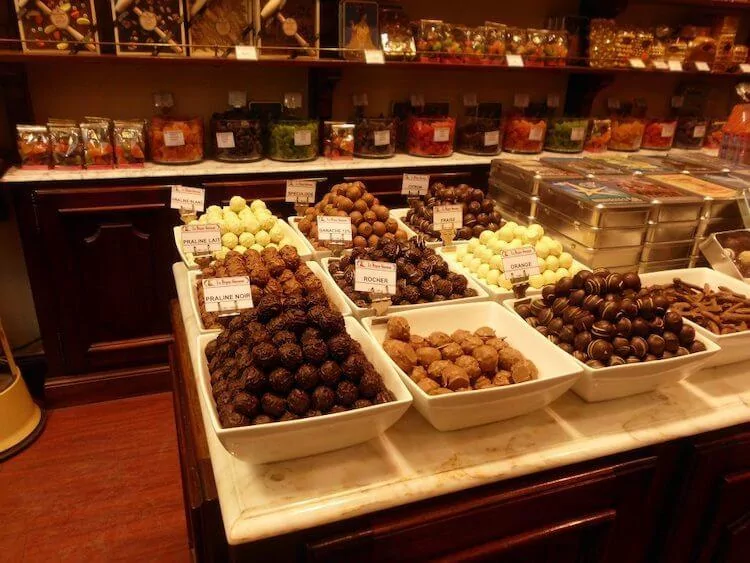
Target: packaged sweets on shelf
430,136
33,146
599,135
291,29
66,145
396,36
214,31
496,36
430,40
97,144
375,137
338,140
237,137
58,26
145,27
659,134
475,48
690,132
627,133
556,48
293,140
480,130
130,144
566,134
524,134
174,140
454,43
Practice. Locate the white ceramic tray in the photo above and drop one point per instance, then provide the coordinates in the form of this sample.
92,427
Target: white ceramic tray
400,215
496,294
334,295
557,370
293,236
280,441
360,313
630,379
734,347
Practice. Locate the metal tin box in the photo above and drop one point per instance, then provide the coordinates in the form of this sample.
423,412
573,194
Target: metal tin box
623,257
526,175
629,165
720,201
679,263
663,251
582,233
510,198
668,204
701,160
595,202
582,166
665,232
666,162
724,251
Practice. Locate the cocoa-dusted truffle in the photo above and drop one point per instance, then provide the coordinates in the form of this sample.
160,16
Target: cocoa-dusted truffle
307,377
337,408
330,373
451,351
290,356
340,346
245,403
287,416
370,384
315,352
273,405
266,355
283,337
401,353
427,354
362,403
280,380
234,419
384,396
262,419
254,380
397,328
211,349
298,401
268,307
354,366
346,393
323,398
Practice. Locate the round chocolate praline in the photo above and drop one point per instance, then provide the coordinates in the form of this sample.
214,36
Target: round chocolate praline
697,346
646,307
656,344
563,287
553,338
673,322
566,346
591,303
608,310
629,307
580,356
639,346
298,401
596,364
570,313
622,346
580,278
650,358
593,285
686,335
682,351
532,322
542,330
632,360
548,294
273,405
632,281
567,333
524,310
603,329
582,340
660,304
555,326
624,327
584,322
323,398
559,305
536,306
657,325
671,342
576,297
616,361
640,327
346,393
600,350
545,316
614,283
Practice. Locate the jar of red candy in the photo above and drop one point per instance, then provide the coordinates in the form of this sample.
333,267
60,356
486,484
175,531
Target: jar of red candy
524,134
659,134
430,136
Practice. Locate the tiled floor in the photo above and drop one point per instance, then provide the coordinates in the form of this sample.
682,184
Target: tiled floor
101,484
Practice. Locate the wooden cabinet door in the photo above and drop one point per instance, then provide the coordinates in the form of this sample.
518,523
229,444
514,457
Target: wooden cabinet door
108,253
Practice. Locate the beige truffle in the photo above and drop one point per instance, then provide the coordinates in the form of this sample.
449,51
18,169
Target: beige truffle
398,329
435,369
523,371
427,385
470,365
418,374
440,391
487,358
501,378
417,341
401,353
438,339
485,332
451,351
497,343
482,383
509,356
460,335
469,343
454,377
426,355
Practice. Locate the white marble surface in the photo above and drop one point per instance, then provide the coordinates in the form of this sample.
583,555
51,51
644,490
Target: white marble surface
412,461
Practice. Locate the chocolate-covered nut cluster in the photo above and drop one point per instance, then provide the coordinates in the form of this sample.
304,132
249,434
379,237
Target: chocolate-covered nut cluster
462,361
371,221
289,358
606,319
479,212
278,272
422,275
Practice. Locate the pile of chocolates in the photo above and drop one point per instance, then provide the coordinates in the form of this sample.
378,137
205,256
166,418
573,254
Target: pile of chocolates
272,271
721,312
479,212
422,276
463,361
606,319
289,358
371,221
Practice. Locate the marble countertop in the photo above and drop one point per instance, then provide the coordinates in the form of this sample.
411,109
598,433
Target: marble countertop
412,461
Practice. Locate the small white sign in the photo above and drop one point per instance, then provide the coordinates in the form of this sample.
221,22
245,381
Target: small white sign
302,138
637,63
225,140
375,277
192,199
447,217
246,53
700,66
577,133
553,101
381,138
520,262
661,65
415,184
521,100
699,131
470,100
227,294
174,139
536,133
237,98
674,66
300,191
668,129
337,229
201,239
441,134
417,100
491,138
374,57
745,67
514,60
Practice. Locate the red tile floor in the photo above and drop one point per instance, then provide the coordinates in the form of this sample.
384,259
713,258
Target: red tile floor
101,484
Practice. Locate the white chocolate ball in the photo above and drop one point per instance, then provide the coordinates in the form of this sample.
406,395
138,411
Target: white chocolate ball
506,233
247,240
276,233
257,205
237,203
473,244
262,238
552,263
486,236
492,277
562,273
474,264
542,249
482,270
549,277
566,260
555,248
536,281
496,262
229,240
239,248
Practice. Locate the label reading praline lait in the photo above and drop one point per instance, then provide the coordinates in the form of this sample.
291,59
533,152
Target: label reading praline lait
381,138
447,217
375,277
174,139
442,134
225,140
302,138
415,184
336,229
491,138
227,294
520,262
183,197
300,191
201,239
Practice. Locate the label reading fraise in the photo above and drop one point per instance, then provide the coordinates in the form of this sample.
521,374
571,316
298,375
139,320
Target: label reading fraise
536,133
375,277
201,239
520,263
668,129
227,294
447,217
174,139
192,199
336,229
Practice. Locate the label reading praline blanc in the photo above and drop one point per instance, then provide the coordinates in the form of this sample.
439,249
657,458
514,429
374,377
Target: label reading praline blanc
375,277
381,138
184,197
227,294
334,228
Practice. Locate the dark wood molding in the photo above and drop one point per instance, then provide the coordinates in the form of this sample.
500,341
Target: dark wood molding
156,340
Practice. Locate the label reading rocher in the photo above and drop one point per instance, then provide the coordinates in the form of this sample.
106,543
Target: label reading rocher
227,294
300,191
447,217
520,263
201,239
334,228
375,277
192,199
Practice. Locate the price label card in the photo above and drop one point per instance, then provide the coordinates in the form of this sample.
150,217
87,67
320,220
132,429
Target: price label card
174,138
417,100
302,138
470,100
227,294
237,98
668,129
375,277
637,63
447,217
674,66
521,100
415,184
225,140
577,133
553,101
514,60
246,53
699,131
381,138
183,197
520,262
745,67
536,133
661,65
300,191
374,57
491,138
201,239
700,66
336,229
442,134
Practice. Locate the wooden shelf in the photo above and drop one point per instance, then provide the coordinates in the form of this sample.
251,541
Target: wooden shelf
708,4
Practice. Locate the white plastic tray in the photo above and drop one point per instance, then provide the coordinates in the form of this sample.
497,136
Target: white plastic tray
361,313
557,370
630,379
334,295
734,347
293,236
280,441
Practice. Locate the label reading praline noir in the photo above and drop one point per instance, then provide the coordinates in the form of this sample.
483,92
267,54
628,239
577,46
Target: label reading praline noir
520,262
201,239
375,277
335,229
192,199
227,294
491,138
447,217
225,140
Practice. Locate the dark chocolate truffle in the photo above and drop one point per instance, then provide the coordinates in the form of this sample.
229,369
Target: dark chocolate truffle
290,356
330,373
600,350
686,335
315,352
254,380
353,367
339,346
281,380
273,405
245,403
266,355
307,377
673,322
656,344
298,401
639,346
346,393
323,398
697,346
582,340
603,329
